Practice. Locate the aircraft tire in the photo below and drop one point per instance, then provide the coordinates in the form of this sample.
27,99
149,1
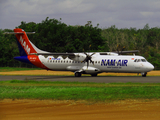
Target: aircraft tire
77,74
144,74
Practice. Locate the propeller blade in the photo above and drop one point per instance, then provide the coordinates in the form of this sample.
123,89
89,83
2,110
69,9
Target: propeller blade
92,62
85,53
122,50
92,54
87,64
88,57
84,60
89,47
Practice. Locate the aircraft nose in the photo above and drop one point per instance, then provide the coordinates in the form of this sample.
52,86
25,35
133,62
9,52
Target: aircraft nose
150,67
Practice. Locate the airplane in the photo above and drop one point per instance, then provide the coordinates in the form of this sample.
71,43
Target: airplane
91,63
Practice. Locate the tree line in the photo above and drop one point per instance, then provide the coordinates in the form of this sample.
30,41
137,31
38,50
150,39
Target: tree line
55,36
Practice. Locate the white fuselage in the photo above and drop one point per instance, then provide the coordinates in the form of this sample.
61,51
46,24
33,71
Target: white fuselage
102,63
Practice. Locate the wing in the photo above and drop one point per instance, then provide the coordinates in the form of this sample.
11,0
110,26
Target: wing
124,52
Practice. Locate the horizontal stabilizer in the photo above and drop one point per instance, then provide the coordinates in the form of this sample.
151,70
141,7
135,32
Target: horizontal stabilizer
14,33
52,54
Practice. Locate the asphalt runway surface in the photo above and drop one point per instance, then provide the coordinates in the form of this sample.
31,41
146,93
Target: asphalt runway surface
98,79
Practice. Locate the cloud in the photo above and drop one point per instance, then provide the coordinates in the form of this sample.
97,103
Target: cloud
147,14
41,7
121,13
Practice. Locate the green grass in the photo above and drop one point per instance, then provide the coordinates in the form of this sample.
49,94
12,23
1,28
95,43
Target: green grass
77,91
8,69
63,83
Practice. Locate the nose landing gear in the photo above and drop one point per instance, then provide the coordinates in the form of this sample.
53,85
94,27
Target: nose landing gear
144,74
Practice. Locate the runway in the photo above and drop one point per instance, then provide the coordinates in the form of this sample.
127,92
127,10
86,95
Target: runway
98,79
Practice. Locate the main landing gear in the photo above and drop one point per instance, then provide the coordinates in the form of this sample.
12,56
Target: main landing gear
77,74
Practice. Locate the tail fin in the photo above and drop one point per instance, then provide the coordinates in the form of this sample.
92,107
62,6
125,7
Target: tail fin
27,49
25,46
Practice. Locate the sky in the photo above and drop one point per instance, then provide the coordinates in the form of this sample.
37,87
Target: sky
121,13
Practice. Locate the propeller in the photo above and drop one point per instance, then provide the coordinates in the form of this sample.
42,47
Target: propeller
88,57
118,51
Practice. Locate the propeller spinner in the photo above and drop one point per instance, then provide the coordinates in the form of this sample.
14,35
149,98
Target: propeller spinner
88,58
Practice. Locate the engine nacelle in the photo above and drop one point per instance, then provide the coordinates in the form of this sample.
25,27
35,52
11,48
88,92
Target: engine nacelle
90,70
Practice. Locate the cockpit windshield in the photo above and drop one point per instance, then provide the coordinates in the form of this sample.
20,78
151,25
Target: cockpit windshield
140,60
143,60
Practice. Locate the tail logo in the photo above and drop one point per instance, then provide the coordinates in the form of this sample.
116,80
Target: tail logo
23,43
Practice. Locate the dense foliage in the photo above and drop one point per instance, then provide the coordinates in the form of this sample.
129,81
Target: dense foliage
54,36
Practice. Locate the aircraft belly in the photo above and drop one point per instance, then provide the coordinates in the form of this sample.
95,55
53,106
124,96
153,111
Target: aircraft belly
73,68
64,67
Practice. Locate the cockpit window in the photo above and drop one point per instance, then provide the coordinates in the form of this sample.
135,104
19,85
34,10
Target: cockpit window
140,60
135,60
143,60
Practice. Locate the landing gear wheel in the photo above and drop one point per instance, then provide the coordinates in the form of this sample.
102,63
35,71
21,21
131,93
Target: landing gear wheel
77,74
144,74
94,75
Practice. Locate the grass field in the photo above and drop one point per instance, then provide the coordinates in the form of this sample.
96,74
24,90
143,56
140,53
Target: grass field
77,91
8,69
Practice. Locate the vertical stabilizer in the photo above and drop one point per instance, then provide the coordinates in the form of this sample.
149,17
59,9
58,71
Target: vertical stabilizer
24,45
